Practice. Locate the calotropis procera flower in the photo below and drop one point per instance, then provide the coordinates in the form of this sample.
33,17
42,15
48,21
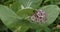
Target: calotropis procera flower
39,16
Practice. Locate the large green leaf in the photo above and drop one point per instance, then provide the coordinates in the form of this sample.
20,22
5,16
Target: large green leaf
11,20
52,11
18,4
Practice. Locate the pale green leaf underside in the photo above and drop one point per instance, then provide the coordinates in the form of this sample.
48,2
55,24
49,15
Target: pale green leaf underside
52,11
11,20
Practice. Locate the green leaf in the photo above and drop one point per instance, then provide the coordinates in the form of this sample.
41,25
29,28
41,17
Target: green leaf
47,29
31,3
43,29
46,1
38,30
7,3
16,6
25,13
52,12
23,28
19,4
11,20
3,27
55,1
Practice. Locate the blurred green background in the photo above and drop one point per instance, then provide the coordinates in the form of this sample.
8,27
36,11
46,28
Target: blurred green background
54,27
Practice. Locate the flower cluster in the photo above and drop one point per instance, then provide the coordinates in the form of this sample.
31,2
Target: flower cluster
39,16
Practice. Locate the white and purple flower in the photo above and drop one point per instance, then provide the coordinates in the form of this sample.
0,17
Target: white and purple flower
39,16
